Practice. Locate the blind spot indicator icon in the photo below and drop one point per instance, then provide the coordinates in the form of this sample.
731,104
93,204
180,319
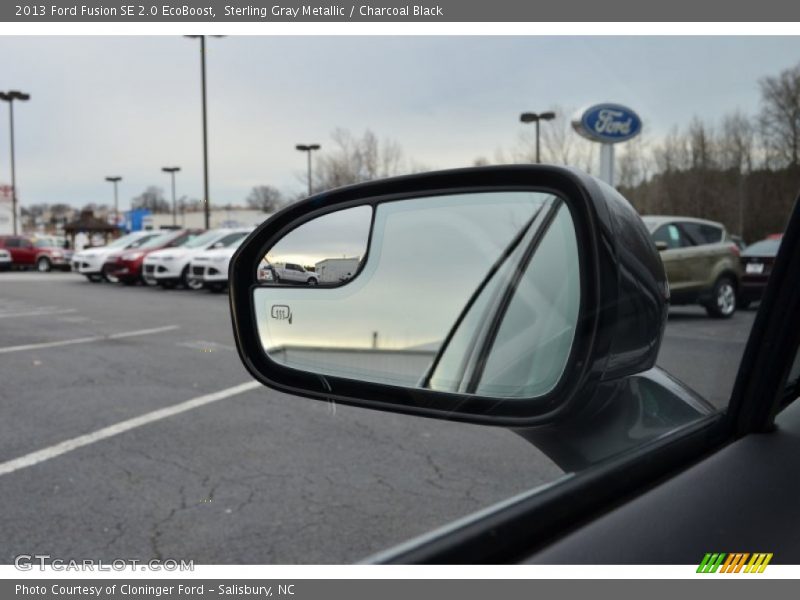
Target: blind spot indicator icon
281,312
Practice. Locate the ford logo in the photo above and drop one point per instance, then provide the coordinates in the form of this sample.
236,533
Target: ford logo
608,123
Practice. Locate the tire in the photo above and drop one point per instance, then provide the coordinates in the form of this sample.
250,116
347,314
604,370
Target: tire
95,278
108,276
190,284
723,298
43,265
311,281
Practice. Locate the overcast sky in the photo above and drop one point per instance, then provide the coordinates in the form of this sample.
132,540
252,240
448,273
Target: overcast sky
130,105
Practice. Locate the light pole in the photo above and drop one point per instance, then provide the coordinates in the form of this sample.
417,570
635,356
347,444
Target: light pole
172,171
308,148
207,207
115,180
9,97
529,117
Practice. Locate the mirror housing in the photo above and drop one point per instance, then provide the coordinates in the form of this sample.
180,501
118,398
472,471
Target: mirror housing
621,316
661,246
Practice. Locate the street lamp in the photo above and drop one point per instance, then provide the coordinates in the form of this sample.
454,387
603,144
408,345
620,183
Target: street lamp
172,171
309,149
207,207
9,97
115,180
529,117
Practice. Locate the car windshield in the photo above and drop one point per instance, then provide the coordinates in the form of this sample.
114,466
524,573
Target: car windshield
203,239
45,242
158,240
763,248
132,240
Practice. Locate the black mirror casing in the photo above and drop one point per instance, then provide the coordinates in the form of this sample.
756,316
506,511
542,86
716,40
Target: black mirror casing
621,316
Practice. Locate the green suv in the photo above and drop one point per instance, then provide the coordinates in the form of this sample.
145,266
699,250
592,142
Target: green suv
701,261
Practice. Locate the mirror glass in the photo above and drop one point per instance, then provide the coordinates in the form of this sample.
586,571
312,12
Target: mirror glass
469,293
325,251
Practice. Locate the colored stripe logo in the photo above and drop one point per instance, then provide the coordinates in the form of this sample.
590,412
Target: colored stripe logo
737,562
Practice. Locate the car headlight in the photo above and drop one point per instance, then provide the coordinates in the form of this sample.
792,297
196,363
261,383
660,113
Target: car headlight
219,259
167,257
132,256
56,254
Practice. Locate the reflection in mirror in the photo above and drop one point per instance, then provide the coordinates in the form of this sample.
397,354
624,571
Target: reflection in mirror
325,251
469,293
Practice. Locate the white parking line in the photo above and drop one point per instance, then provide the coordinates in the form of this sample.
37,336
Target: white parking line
106,432
86,340
37,313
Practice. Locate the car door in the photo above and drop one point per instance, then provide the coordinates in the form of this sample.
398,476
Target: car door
678,258
294,272
708,251
26,252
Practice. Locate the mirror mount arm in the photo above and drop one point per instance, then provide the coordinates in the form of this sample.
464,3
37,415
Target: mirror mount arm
621,415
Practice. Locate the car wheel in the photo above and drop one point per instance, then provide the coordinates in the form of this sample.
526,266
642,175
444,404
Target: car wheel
723,298
108,276
311,281
95,278
189,283
43,265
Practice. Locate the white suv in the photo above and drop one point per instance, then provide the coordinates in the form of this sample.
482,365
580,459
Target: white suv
209,269
170,266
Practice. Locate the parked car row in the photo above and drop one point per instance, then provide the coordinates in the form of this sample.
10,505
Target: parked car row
190,258
704,264
707,266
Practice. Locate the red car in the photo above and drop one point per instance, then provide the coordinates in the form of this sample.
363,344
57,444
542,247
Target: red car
126,266
40,253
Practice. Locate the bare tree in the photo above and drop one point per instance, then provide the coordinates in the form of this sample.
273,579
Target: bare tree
780,114
672,153
355,159
736,141
701,145
265,198
559,144
632,163
152,198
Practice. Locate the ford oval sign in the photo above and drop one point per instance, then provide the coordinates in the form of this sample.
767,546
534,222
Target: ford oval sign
608,123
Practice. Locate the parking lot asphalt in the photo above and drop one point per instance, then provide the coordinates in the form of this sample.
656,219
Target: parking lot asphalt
131,430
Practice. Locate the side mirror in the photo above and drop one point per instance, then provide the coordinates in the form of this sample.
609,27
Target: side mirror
494,295
216,245
661,246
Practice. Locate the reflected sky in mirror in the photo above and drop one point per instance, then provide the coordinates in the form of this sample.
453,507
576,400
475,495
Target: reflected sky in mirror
341,234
